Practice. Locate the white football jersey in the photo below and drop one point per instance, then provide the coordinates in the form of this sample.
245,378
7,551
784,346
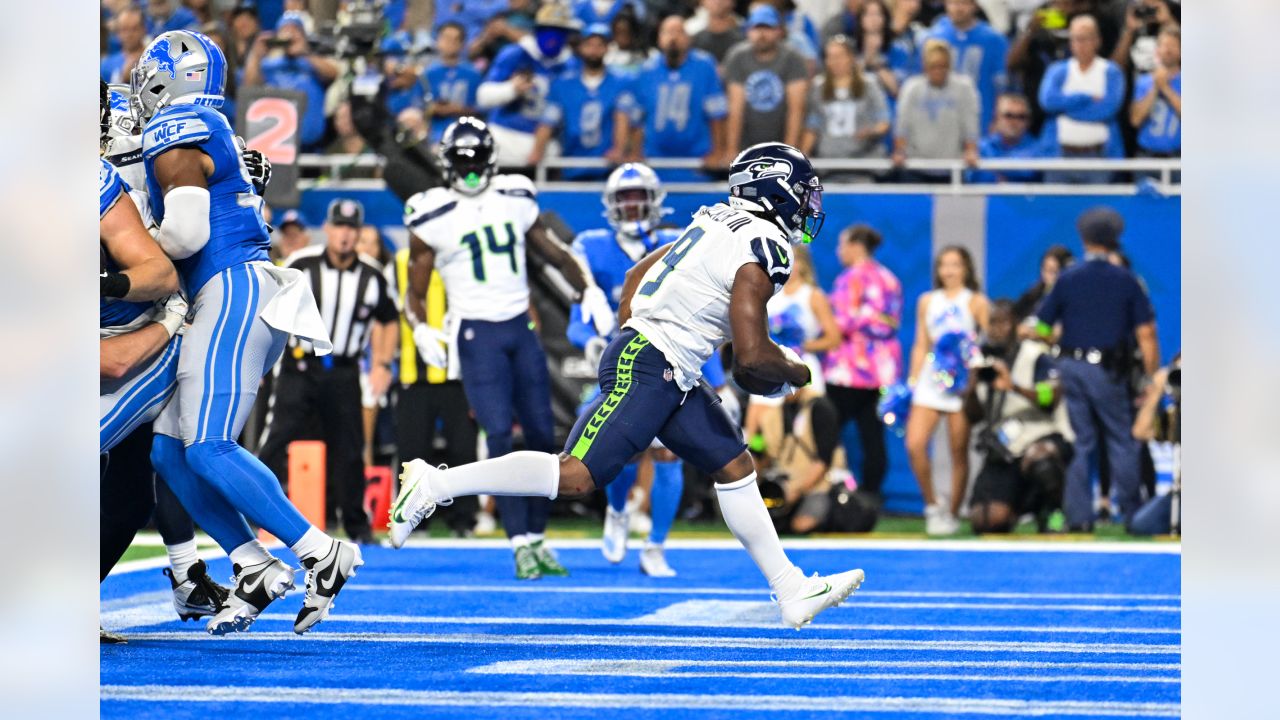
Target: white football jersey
125,153
682,303
479,245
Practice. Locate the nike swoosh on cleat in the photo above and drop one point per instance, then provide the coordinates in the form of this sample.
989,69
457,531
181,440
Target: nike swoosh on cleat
252,584
326,582
826,589
397,515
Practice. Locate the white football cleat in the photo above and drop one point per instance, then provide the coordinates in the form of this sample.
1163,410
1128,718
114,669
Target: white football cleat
256,587
653,562
613,545
816,594
415,502
325,577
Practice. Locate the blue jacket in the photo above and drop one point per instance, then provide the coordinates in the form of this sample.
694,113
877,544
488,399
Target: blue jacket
1079,106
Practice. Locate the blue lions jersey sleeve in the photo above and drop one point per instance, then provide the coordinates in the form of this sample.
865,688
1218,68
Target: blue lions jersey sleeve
237,232
110,186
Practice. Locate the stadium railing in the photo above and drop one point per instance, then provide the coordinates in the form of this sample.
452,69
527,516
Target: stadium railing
1157,175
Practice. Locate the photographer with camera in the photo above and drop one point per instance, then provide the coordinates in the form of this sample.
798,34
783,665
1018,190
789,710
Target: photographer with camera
1025,436
284,59
1160,419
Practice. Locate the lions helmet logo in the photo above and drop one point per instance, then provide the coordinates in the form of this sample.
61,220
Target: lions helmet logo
162,55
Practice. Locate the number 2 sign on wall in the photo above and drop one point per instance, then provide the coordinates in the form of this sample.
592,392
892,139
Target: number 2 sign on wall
269,121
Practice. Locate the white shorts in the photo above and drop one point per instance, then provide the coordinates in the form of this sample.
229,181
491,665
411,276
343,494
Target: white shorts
927,394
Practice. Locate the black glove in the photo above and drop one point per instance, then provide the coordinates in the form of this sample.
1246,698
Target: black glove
257,164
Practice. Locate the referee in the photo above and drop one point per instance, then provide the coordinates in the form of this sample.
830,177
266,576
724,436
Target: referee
319,397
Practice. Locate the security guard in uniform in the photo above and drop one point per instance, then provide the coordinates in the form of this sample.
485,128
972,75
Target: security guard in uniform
428,402
1101,310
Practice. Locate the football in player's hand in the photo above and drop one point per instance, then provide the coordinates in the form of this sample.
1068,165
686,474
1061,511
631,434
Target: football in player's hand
754,385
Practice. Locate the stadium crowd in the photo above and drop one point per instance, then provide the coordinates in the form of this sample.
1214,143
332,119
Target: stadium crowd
702,79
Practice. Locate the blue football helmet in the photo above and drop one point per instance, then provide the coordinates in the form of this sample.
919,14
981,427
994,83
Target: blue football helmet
468,155
633,199
777,181
179,66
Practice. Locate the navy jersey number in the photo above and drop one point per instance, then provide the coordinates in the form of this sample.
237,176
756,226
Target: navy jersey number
673,257
472,241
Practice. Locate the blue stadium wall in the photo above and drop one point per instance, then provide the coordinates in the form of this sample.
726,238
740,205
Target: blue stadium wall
1006,233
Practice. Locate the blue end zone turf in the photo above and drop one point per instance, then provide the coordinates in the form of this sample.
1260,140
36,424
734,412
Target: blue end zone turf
444,631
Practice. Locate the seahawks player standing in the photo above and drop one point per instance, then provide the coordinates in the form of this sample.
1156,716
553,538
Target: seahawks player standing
245,308
678,305
474,232
633,207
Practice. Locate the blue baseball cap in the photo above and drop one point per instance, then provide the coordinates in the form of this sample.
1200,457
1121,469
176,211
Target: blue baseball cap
764,15
599,29
291,18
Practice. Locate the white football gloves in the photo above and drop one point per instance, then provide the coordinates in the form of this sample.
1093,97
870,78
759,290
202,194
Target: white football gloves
171,313
431,345
597,311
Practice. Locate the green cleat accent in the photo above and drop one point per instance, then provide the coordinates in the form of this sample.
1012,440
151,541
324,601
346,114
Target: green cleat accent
548,564
527,566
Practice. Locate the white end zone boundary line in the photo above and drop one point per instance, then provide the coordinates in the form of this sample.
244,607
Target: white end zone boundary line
1028,546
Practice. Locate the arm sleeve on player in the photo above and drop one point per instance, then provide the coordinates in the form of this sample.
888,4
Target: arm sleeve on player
185,229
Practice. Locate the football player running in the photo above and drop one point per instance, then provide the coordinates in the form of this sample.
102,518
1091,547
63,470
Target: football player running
210,219
678,304
633,200
474,232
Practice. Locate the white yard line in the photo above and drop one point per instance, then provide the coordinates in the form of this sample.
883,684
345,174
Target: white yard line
796,642
678,669
1030,546
610,701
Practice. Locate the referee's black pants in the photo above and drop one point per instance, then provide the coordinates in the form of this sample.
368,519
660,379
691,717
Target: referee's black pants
318,403
422,410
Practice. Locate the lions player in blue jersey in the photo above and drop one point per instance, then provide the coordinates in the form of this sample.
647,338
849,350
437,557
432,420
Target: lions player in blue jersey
587,111
515,89
633,206
210,220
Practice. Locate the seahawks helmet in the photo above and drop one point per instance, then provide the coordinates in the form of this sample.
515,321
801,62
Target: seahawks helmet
179,66
633,200
122,122
778,182
468,155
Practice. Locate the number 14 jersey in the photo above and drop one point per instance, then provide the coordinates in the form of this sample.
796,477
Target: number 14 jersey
682,304
479,245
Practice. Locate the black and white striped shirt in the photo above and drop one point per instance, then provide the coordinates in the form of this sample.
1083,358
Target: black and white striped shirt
350,300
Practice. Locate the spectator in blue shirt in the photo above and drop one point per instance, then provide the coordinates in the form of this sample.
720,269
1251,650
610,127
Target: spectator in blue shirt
514,91
1009,138
589,109
166,15
680,105
451,82
293,67
880,55
404,85
1157,100
130,29
979,50
1083,95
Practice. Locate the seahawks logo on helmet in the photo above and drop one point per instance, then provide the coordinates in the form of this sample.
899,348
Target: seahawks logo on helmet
770,167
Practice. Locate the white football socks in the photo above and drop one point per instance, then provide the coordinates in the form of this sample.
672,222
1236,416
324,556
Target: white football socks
528,473
745,514
313,544
249,554
181,557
